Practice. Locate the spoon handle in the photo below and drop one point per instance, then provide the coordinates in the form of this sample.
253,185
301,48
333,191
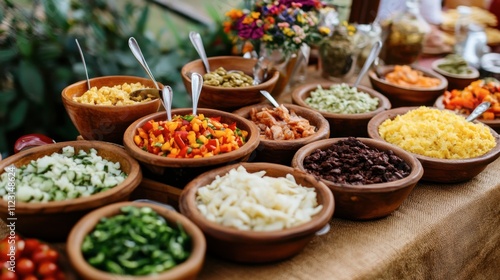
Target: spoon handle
136,50
371,57
198,46
196,85
167,94
481,108
270,98
84,64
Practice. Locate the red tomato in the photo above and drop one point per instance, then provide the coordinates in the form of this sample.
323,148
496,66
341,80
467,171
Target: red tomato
30,246
47,269
4,249
30,277
60,275
25,267
31,140
8,275
49,255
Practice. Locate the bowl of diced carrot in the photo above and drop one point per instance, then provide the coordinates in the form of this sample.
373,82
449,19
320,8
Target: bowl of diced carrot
176,151
407,85
464,101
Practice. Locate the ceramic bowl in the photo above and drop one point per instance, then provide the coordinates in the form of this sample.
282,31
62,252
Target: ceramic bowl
406,96
178,172
189,269
342,125
364,202
440,170
456,81
226,98
282,151
53,220
105,122
494,124
253,246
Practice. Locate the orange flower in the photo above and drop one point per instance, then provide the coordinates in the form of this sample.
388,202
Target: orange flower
234,14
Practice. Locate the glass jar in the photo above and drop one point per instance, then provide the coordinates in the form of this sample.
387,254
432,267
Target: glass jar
404,35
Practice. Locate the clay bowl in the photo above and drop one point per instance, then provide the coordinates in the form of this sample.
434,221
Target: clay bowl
456,81
440,170
371,201
251,246
406,96
178,172
225,98
189,269
53,220
282,151
105,122
494,124
342,125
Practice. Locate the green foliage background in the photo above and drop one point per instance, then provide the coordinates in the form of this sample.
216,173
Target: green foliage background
39,57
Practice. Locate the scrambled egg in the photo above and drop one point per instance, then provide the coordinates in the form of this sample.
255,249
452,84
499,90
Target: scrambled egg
117,95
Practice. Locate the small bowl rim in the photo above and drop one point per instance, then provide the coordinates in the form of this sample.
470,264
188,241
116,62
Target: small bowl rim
133,179
488,157
142,156
189,209
491,123
429,73
322,128
300,92
471,76
88,222
107,107
415,175
271,80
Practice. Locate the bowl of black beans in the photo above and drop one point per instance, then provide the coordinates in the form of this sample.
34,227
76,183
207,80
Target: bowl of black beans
369,178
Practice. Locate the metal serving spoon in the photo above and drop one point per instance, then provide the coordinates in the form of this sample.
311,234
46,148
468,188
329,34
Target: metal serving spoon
196,85
146,92
481,108
167,95
270,98
198,46
84,64
371,57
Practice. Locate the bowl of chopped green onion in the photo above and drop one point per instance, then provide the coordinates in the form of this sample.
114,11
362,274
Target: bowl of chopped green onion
50,187
348,109
138,240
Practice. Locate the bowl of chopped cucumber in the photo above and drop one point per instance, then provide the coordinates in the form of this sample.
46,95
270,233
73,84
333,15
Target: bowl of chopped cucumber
348,109
139,240
50,187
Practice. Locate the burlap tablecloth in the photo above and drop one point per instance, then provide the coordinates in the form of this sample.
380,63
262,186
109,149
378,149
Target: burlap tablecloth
439,232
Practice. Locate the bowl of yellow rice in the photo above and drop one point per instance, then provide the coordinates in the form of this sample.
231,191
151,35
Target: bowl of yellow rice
449,148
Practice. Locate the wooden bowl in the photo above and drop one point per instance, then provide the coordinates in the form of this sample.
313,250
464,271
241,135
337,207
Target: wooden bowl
405,96
252,246
189,269
178,172
456,81
364,202
440,170
494,124
53,220
342,125
105,122
282,151
224,98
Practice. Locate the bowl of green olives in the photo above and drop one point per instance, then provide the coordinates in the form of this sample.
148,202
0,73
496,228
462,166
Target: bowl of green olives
229,85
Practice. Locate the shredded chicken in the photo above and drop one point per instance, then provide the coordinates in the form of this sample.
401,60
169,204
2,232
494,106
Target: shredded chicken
281,124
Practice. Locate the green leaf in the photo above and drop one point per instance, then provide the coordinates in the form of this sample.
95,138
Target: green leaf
24,45
17,115
6,97
143,19
7,55
54,14
48,51
31,81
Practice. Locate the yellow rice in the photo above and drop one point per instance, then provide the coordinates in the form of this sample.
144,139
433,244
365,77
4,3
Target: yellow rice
438,134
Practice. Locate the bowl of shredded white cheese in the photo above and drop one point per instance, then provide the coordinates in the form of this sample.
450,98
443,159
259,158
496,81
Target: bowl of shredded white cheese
257,212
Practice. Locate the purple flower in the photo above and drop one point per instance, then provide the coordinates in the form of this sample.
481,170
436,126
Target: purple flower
250,31
306,4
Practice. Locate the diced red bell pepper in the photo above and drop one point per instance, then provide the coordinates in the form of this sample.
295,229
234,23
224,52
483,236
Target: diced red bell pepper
178,140
232,126
183,152
148,126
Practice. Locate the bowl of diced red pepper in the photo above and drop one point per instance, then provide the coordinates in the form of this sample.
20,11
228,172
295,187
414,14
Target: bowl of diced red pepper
177,151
